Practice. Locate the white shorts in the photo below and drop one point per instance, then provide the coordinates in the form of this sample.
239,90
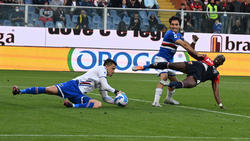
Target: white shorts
169,71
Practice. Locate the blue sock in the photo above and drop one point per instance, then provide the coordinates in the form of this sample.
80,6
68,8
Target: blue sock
34,90
175,84
85,105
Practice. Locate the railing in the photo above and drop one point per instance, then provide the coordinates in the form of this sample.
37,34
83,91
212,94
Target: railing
120,18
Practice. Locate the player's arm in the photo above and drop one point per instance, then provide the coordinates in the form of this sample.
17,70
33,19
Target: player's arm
190,50
105,86
195,39
215,86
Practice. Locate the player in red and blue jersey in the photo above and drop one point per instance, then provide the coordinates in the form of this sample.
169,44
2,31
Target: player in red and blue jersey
171,41
197,71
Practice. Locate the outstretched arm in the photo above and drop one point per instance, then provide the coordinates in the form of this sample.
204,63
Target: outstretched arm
106,86
189,49
215,86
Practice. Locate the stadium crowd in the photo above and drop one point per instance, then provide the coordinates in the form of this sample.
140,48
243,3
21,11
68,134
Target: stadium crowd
211,22
92,18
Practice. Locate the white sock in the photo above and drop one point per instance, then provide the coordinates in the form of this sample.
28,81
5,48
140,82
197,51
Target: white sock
158,92
170,94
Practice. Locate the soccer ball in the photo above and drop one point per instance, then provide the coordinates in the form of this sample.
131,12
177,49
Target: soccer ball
121,100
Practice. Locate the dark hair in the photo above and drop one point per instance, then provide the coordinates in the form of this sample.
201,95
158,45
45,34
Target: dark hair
173,18
109,62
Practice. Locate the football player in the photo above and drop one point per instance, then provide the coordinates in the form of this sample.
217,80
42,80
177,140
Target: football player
197,71
76,89
168,48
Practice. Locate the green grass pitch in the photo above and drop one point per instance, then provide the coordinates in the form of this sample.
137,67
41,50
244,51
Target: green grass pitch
43,117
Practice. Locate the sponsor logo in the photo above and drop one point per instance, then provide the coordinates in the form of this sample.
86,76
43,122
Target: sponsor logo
85,59
216,43
6,38
237,45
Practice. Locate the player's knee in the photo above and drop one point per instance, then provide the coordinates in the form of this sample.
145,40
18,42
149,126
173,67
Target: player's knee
51,90
97,104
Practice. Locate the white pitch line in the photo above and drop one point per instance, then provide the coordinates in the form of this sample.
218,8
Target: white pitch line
123,136
191,108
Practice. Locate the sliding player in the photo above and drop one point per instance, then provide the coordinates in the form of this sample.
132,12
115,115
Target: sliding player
75,90
197,71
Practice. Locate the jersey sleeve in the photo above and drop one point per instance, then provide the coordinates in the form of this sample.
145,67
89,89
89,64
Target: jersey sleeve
217,79
176,37
102,72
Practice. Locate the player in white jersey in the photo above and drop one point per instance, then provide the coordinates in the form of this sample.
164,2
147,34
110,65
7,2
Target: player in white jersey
76,89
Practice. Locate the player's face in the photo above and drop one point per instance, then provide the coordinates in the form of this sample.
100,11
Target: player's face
219,60
175,25
111,69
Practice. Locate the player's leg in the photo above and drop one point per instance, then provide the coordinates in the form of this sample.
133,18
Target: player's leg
35,90
189,82
179,66
159,89
169,98
83,101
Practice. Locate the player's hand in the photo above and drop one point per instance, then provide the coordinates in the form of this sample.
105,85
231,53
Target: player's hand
195,38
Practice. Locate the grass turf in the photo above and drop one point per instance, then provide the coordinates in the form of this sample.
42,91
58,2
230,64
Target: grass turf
43,117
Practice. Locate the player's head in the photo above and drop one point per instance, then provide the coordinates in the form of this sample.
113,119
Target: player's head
110,66
219,60
175,23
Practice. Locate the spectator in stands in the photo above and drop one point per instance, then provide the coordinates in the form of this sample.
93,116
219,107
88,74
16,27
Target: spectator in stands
59,15
122,26
141,3
186,14
188,27
212,10
17,17
9,1
204,6
224,7
40,2
245,7
237,28
115,3
236,5
132,4
82,21
124,4
74,3
87,3
152,4
46,14
104,3
196,17
135,22
56,2
217,26
153,23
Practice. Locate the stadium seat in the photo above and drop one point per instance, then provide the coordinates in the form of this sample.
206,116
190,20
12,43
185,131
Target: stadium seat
113,13
31,9
7,23
96,20
152,12
109,20
143,14
126,20
67,17
28,1
145,22
70,24
100,26
49,24
74,18
111,26
38,23
116,20
60,24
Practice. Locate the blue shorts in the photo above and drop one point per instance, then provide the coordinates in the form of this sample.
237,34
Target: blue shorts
71,91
